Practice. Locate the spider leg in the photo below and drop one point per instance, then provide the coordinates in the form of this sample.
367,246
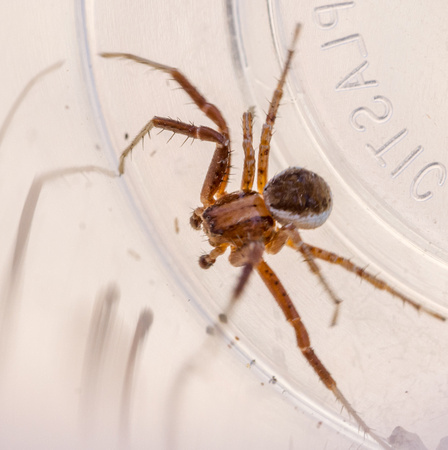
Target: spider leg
247,257
249,152
219,169
266,133
361,272
290,236
210,110
177,127
282,298
217,177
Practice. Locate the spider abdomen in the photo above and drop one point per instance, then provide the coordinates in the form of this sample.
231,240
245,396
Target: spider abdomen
298,196
236,218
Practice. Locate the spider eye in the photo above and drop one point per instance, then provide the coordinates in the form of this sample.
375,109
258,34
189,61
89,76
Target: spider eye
299,197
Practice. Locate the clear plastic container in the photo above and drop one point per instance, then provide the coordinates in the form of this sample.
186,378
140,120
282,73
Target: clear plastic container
363,108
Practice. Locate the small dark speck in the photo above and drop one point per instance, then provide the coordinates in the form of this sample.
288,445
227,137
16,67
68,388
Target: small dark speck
126,136
210,330
223,318
319,424
67,107
273,380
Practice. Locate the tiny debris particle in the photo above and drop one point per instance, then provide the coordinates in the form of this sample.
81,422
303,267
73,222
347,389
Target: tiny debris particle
223,318
132,253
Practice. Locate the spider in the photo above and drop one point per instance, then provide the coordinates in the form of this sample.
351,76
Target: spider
250,222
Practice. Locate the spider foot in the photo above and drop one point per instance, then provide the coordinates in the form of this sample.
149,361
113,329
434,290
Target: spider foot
121,165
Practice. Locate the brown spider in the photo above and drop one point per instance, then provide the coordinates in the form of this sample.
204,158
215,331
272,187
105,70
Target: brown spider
251,222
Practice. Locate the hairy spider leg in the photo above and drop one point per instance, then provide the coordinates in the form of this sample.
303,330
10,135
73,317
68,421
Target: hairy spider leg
175,126
289,234
333,258
283,300
266,133
218,172
315,269
247,180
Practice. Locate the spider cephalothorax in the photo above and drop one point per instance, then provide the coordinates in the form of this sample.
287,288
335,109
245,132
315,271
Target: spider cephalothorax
250,222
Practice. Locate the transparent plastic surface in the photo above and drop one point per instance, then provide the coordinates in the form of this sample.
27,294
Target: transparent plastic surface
364,108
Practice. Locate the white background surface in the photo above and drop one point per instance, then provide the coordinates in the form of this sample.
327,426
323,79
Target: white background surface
191,390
